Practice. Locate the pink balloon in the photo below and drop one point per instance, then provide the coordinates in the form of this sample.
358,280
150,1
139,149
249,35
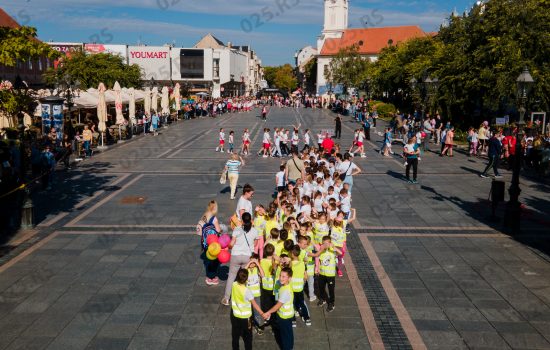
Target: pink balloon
224,240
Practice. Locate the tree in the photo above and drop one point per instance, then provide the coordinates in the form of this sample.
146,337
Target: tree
348,68
285,78
477,58
92,69
20,44
269,75
310,74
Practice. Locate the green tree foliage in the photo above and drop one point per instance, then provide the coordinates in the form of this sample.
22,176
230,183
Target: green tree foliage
281,77
310,74
20,44
347,68
92,69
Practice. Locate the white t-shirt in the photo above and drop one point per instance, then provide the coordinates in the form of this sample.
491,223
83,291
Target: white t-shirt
306,209
347,167
283,297
222,136
360,137
306,139
246,137
345,204
244,204
280,178
244,245
266,137
318,204
295,139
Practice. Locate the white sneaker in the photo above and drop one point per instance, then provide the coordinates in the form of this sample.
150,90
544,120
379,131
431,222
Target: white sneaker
264,156
313,298
363,155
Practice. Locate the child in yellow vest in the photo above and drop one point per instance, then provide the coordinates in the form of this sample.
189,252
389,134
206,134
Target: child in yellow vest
299,276
304,242
338,233
255,274
259,224
273,237
283,311
320,230
242,302
268,280
327,273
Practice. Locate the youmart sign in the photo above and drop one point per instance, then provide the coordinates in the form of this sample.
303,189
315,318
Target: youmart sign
153,60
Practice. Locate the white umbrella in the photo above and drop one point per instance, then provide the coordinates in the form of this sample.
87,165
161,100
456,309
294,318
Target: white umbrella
155,99
27,121
177,96
147,101
132,106
101,110
165,101
118,104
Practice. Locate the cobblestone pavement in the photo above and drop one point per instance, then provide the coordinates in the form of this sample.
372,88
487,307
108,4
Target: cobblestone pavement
114,264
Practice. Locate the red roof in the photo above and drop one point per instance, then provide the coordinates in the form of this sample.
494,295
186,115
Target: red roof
371,41
7,21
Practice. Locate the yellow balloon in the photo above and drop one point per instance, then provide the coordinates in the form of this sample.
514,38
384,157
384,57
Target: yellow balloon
210,257
214,249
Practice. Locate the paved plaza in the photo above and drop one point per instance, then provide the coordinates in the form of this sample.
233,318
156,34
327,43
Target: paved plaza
114,262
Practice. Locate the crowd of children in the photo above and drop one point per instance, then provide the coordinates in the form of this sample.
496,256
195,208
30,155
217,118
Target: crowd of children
299,254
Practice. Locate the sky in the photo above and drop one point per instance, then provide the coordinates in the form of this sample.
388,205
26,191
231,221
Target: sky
274,28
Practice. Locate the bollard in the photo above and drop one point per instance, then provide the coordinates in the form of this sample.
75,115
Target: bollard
27,212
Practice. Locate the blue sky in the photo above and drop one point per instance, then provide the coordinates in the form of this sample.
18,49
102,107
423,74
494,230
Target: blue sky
184,22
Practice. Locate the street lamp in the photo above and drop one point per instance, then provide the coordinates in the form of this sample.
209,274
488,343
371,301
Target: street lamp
513,208
431,85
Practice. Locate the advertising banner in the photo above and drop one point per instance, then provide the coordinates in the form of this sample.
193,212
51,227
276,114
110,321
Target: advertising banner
153,60
104,48
54,119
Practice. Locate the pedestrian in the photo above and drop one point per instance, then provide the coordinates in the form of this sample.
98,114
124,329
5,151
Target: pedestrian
494,152
232,168
483,136
246,142
48,168
428,130
411,151
338,127
241,310
264,113
209,224
346,170
307,140
231,141
87,138
242,248
327,273
221,139
283,310
449,140
472,140
295,169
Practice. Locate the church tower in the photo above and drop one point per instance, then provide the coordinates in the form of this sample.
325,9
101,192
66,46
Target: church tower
336,17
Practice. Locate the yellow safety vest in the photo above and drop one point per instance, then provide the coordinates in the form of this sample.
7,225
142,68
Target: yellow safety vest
310,263
269,225
259,224
327,261
286,311
253,282
298,273
338,236
302,256
279,247
320,231
241,308
267,280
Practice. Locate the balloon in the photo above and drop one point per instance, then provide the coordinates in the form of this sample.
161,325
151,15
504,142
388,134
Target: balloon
214,249
211,239
210,257
224,240
224,256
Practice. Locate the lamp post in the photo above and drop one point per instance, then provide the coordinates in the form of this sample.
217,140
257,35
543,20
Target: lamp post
513,208
431,86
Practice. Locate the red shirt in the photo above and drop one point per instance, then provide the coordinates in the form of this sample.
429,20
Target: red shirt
510,142
327,145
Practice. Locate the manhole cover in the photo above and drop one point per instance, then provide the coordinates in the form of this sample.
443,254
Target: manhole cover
133,200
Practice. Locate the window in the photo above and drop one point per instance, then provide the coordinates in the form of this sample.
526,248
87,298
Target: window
216,66
192,64
40,67
30,64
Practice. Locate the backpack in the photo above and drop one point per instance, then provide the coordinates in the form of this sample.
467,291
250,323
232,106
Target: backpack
207,230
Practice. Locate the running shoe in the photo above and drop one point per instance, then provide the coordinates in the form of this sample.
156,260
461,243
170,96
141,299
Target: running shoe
483,176
225,302
330,308
414,182
312,299
259,330
340,273
321,303
293,323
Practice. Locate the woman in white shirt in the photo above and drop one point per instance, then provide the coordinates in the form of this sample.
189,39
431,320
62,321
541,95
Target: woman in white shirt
242,247
348,168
